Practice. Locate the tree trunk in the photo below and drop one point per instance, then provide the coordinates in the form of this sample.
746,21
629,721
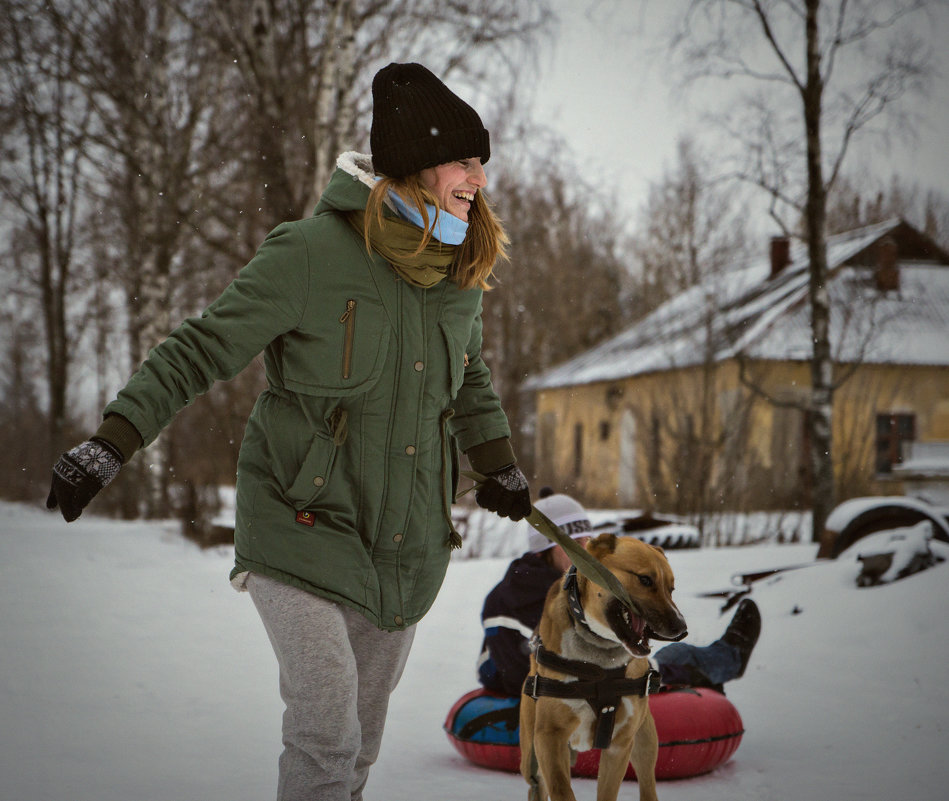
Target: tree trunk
821,404
57,347
335,112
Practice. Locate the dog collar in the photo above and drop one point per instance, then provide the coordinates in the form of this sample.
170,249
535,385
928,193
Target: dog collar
571,587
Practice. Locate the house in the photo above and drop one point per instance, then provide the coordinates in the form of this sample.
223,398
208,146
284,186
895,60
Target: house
701,405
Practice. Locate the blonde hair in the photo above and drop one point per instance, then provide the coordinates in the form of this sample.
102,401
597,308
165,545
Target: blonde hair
485,241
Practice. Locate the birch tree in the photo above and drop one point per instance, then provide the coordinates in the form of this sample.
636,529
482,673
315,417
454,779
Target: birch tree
816,74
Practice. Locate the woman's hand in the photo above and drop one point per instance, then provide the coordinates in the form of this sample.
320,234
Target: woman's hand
80,474
505,491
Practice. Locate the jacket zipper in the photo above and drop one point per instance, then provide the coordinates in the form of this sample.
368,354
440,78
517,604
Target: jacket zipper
348,318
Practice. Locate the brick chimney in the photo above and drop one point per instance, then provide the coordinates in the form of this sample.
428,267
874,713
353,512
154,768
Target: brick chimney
887,271
780,254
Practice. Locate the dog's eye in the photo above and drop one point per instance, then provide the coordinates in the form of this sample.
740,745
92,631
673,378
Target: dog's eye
646,581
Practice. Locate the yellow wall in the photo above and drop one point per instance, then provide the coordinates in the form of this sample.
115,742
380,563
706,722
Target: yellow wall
768,461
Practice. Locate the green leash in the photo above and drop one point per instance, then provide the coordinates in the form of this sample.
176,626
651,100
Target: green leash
592,568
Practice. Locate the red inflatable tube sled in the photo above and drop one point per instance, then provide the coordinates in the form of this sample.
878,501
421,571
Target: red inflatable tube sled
699,729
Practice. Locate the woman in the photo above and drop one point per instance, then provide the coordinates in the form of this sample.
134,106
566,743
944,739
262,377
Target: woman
369,316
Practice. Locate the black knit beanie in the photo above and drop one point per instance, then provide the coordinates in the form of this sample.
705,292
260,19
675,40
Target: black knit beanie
418,122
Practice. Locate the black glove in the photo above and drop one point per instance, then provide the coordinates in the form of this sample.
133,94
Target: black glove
80,474
505,491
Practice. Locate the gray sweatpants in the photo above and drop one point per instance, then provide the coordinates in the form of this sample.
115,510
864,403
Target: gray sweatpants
337,671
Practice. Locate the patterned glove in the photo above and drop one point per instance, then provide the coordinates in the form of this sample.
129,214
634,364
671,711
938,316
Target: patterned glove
80,474
506,493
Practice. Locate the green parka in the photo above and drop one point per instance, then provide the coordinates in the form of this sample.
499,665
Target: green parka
347,467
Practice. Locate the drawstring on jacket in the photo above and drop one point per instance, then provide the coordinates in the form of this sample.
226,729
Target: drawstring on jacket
454,538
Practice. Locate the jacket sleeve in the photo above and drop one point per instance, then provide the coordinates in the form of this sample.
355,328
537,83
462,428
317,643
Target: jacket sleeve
478,417
267,299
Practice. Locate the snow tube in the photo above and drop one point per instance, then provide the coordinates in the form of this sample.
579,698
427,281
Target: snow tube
698,730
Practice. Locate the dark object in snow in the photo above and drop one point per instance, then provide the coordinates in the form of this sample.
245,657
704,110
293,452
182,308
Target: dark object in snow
859,517
668,533
745,580
905,551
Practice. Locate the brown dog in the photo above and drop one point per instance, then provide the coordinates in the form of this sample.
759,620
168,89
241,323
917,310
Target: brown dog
589,677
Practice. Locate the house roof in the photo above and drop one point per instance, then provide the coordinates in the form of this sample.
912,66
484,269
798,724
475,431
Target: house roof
747,312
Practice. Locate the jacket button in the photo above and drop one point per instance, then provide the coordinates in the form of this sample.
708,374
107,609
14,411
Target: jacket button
419,366
397,538
398,620
319,481
410,450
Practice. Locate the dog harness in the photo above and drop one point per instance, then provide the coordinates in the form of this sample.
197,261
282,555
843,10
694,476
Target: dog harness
602,688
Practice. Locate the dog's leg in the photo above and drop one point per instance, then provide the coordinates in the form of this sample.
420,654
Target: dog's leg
643,756
553,756
613,763
529,767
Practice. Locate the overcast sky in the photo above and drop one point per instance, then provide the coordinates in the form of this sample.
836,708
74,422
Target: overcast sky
608,89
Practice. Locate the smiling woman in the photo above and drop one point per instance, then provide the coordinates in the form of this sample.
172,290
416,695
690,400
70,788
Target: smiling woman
369,315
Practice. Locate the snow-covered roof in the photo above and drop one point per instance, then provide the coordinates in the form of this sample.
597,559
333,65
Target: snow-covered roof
747,312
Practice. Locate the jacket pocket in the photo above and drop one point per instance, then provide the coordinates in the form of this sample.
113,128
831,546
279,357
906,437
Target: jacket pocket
457,359
338,351
314,474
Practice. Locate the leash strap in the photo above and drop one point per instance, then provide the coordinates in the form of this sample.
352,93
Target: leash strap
592,568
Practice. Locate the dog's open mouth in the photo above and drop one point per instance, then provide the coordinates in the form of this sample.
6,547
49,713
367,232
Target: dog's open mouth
629,627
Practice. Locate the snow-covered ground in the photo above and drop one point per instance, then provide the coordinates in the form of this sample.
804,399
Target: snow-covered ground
130,671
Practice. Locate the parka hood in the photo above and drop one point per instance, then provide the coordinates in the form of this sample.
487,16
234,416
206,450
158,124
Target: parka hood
348,189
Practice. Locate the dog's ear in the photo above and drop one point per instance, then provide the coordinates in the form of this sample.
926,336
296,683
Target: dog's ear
602,545
658,549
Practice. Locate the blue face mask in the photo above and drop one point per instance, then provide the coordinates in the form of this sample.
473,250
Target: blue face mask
448,229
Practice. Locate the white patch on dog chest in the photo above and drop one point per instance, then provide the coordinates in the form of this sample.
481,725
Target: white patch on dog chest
582,737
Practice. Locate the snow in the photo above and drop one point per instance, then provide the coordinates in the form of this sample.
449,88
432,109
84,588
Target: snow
925,459
130,670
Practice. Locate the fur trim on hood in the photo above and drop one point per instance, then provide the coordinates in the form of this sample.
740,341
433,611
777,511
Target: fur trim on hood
359,165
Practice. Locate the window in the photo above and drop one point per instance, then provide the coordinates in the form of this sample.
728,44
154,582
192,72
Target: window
892,431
